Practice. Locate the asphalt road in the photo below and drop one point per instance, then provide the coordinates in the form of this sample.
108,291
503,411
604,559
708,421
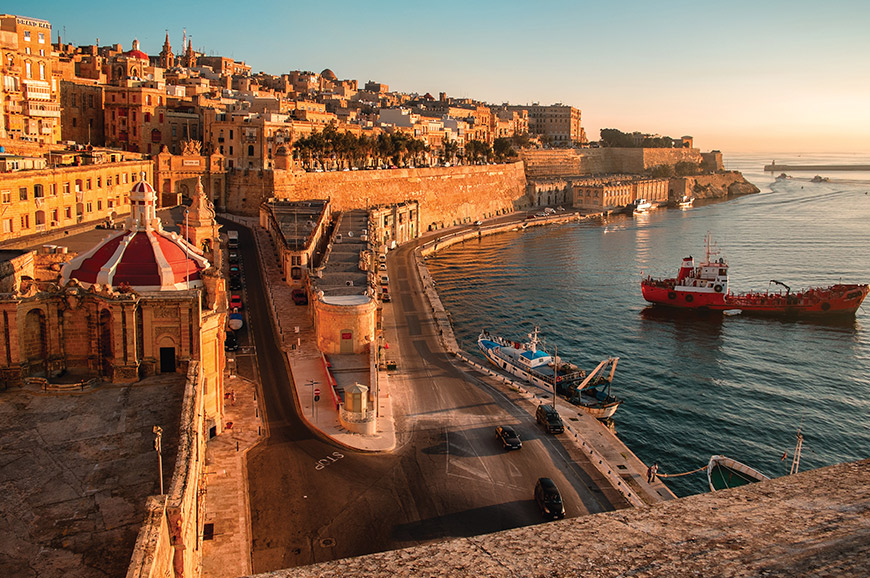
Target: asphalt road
448,477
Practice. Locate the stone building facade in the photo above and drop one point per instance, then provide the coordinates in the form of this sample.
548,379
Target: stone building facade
39,201
29,91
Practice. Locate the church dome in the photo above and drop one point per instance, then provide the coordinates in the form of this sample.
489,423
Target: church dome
328,74
143,257
136,53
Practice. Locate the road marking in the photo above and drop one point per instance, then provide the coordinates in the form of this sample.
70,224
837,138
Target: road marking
328,460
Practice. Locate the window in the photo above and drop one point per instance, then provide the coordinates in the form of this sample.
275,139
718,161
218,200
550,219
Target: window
161,117
231,134
99,182
67,213
88,185
27,36
27,72
42,37
99,205
250,150
90,207
22,194
174,131
38,192
147,116
42,71
66,188
7,225
52,189
125,178
148,99
231,149
6,197
78,185
25,221
74,122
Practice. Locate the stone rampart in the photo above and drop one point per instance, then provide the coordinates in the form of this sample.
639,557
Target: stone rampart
815,523
552,163
446,195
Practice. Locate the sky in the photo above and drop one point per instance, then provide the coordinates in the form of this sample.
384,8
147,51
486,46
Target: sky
739,76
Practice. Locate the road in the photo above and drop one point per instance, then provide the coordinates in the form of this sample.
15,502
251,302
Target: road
448,476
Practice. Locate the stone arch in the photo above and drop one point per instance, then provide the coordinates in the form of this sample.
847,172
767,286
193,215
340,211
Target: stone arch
35,341
168,354
107,355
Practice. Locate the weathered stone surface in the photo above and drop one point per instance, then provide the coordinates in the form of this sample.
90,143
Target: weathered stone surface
816,523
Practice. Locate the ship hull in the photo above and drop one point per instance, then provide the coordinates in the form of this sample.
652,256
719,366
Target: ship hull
831,301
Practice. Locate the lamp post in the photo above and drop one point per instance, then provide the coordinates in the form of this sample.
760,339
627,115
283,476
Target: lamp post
313,383
158,431
186,258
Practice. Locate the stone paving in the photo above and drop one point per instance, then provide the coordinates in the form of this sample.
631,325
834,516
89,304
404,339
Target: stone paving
76,469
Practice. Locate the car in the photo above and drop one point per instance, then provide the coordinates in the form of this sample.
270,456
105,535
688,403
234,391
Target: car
529,217
235,283
299,296
235,271
382,267
231,343
478,223
236,302
508,437
548,498
548,416
382,258
385,297
385,280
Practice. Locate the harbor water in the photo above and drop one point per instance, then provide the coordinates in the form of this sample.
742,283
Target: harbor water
694,384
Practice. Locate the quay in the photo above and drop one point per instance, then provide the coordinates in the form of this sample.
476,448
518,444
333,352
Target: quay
773,167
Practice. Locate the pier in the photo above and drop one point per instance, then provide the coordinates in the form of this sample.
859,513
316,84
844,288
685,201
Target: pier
773,167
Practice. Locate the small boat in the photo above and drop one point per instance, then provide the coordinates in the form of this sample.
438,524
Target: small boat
819,179
705,287
686,202
531,363
723,473
640,206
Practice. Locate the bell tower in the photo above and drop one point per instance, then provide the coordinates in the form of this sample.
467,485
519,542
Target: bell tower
167,59
199,226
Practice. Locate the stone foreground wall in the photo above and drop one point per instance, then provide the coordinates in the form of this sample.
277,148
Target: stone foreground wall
816,523
572,163
445,194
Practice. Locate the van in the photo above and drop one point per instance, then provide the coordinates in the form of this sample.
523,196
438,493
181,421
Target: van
548,498
233,239
548,416
299,296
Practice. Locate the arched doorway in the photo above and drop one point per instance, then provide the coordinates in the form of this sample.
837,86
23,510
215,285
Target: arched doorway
35,342
106,346
167,361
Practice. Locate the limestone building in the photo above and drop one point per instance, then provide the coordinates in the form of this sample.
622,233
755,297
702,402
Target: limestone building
30,93
143,301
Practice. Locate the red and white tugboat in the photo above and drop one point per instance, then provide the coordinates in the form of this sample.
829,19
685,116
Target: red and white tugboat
706,287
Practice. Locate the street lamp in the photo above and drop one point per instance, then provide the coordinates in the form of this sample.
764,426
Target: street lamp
314,398
158,431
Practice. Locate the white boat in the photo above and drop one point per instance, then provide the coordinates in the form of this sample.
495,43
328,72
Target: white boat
723,472
641,206
534,365
686,202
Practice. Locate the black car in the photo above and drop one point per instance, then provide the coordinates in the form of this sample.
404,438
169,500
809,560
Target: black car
235,283
508,437
233,257
549,417
548,498
231,343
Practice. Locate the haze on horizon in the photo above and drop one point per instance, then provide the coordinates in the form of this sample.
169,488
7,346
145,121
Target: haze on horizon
768,77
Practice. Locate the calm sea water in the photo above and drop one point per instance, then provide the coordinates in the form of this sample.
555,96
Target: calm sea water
695,385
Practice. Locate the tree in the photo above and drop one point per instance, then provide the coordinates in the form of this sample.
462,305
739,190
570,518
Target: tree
502,149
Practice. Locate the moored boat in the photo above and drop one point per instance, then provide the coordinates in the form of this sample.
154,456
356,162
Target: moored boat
641,206
724,472
685,202
531,363
706,287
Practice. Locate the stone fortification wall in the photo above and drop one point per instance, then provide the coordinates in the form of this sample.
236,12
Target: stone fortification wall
446,195
719,185
815,523
572,163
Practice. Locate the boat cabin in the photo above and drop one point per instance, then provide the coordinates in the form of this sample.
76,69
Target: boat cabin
533,359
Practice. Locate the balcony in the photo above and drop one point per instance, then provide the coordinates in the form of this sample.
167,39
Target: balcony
46,110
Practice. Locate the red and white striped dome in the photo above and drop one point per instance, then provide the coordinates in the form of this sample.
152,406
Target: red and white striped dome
144,257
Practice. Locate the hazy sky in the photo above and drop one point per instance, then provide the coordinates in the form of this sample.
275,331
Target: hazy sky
765,76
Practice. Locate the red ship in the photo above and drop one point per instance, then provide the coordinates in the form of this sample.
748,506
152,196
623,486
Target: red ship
706,287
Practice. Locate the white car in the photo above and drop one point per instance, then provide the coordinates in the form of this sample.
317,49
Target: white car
382,267
385,280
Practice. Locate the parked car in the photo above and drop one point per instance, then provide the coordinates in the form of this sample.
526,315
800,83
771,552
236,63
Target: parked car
548,498
233,257
236,302
235,283
478,223
385,280
299,296
235,271
231,343
382,258
508,437
385,297
382,267
548,416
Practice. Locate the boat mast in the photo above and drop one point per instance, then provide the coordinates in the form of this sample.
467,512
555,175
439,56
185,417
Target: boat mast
796,460
555,373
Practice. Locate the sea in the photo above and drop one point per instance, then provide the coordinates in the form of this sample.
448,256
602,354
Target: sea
696,385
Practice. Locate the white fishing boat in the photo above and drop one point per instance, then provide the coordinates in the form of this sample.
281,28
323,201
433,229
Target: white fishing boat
686,202
641,206
531,363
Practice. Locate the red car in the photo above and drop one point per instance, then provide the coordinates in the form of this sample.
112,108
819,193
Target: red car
236,302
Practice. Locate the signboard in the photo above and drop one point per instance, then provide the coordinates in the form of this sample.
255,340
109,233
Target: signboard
190,163
347,335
